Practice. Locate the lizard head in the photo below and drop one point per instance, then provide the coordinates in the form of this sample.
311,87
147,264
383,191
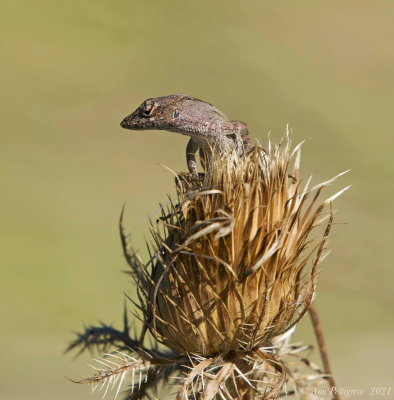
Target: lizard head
176,113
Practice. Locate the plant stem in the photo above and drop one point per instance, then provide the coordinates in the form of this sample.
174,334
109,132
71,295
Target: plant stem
322,347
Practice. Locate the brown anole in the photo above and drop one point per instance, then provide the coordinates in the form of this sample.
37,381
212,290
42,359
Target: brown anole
207,126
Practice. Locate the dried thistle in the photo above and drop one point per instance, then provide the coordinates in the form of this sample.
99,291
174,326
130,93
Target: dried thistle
230,276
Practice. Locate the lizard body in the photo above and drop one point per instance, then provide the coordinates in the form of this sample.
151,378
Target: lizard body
206,125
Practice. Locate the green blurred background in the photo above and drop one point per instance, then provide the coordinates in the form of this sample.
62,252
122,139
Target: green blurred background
72,70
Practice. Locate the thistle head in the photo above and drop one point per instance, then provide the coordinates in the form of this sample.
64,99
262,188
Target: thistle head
233,266
233,269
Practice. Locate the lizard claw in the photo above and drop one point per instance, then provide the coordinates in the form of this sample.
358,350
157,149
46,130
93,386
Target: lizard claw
187,182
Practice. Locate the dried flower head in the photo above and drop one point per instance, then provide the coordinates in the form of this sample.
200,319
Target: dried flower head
233,269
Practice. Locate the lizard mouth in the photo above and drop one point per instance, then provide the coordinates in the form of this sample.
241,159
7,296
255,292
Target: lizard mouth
131,122
125,124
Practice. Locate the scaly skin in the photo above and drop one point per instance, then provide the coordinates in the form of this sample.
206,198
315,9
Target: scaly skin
206,125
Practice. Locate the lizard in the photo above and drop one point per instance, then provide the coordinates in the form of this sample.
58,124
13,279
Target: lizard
205,124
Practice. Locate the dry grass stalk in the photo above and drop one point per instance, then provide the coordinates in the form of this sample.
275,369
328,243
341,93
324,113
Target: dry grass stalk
231,274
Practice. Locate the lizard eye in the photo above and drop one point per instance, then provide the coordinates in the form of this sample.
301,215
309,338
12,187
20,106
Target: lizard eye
146,109
176,113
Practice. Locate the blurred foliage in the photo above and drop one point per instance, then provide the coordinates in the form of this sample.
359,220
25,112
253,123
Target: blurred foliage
72,70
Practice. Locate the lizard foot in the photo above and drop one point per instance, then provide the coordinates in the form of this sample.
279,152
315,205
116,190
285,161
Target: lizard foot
187,182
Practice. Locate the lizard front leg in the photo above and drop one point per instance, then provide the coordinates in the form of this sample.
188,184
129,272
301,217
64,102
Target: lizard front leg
191,150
